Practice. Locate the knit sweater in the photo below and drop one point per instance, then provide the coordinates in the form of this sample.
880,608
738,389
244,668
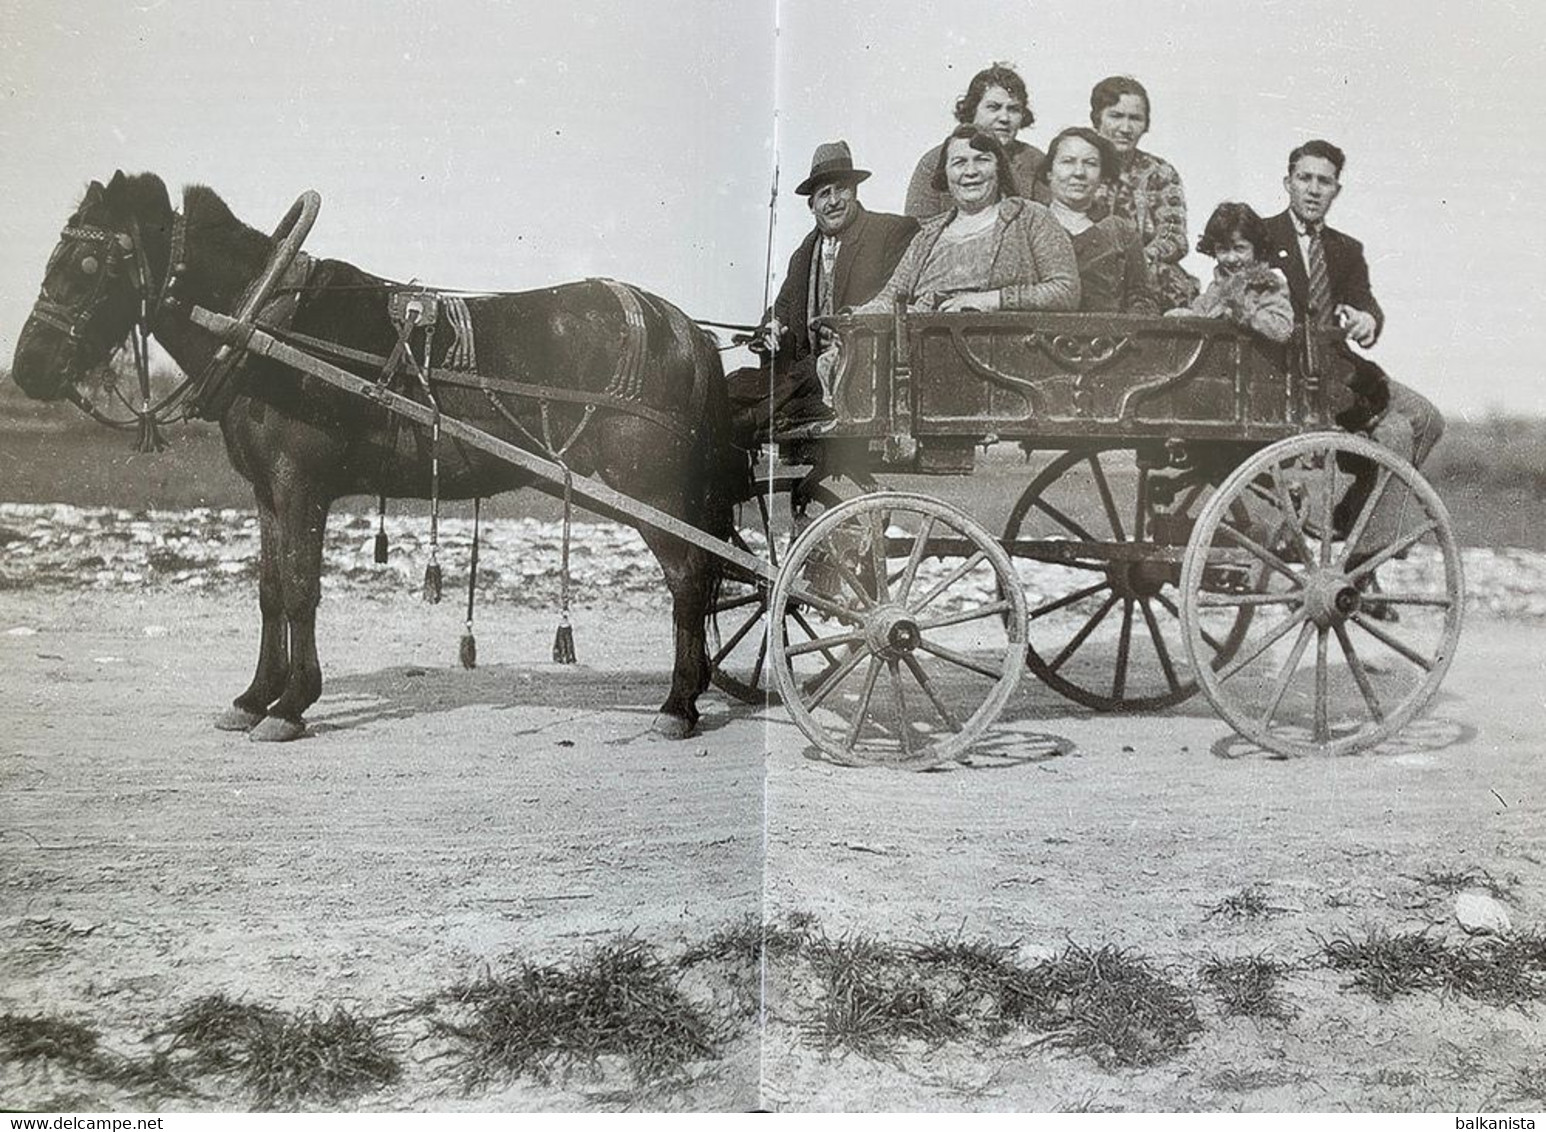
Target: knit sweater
1029,261
1255,297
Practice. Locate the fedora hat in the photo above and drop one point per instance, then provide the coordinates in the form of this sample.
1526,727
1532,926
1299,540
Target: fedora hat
830,162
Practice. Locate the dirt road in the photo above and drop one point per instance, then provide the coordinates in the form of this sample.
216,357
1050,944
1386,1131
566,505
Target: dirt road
437,820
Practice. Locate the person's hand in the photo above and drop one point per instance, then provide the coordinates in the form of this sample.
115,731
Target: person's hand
972,301
1360,325
773,335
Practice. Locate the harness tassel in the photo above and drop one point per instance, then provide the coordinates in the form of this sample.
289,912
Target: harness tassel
563,640
468,652
381,535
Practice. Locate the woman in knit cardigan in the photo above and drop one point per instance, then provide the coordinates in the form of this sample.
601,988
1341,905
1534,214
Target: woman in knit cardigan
991,250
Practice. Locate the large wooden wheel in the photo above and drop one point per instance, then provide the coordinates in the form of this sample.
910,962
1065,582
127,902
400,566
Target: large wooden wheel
1336,661
1105,619
920,636
738,651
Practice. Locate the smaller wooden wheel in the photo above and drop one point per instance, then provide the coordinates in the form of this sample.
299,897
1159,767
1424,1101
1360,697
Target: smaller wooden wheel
920,631
738,646
1358,608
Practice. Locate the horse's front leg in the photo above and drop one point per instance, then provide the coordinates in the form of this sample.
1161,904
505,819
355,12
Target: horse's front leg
302,524
690,575
273,671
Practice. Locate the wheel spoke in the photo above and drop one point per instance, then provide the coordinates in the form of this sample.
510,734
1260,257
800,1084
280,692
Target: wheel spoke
1063,520
961,660
1322,727
857,723
1405,542
1106,498
904,729
825,605
736,638
1286,505
1139,500
1359,674
1328,509
1160,649
799,619
951,579
1067,600
737,603
914,560
823,644
878,556
928,689
975,614
1124,647
1367,513
762,656
1392,643
1260,551
1286,673
1083,634
1278,632
1230,600
1208,638
836,677
852,581
1437,600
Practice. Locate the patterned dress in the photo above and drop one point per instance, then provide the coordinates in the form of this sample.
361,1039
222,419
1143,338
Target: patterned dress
1149,194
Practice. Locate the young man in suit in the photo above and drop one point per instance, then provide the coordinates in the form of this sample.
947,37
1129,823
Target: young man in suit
842,262
1328,280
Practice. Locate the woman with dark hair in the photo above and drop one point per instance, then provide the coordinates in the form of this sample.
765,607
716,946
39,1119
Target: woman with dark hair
1246,289
991,250
996,101
1113,274
1147,191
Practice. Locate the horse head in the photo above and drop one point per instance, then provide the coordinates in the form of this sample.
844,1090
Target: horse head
98,284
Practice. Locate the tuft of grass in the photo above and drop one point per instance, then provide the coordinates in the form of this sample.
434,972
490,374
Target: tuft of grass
1111,1005
617,1001
747,940
1504,972
77,1048
875,995
1248,903
283,1059
1248,987
1451,881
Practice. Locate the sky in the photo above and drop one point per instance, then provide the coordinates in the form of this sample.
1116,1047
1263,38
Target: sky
521,143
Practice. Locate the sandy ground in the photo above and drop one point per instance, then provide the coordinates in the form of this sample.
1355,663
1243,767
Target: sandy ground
438,820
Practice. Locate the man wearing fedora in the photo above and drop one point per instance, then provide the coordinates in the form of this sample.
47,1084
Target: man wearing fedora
842,262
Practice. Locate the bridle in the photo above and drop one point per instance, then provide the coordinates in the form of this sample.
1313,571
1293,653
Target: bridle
119,254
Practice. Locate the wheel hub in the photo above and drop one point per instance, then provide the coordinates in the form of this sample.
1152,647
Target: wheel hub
892,632
1330,598
1139,579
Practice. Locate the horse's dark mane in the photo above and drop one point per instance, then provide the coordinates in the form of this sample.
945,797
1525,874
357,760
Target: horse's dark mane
211,220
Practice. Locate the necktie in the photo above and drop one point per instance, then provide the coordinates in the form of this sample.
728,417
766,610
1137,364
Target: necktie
824,284
1320,282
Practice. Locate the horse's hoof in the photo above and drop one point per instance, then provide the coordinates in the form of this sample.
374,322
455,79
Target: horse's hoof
272,729
672,726
235,718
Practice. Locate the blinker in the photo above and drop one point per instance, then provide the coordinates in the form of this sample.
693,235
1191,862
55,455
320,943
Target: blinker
125,241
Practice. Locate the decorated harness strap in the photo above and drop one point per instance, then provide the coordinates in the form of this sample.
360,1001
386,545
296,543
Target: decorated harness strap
628,379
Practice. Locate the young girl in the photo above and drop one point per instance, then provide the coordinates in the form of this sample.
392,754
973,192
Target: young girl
1245,290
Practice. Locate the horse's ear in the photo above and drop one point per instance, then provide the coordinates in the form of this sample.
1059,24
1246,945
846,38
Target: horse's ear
115,186
93,193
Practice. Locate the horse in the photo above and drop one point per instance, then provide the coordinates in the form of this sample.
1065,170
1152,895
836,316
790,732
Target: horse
637,398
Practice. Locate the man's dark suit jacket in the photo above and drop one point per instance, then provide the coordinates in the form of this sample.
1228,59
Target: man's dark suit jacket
1346,269
867,254
1348,273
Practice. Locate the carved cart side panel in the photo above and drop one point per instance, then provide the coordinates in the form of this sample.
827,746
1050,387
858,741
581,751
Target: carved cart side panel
862,387
1034,376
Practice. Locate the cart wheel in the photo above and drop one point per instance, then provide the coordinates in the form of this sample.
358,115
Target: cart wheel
767,525
1337,661
1106,631
920,635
